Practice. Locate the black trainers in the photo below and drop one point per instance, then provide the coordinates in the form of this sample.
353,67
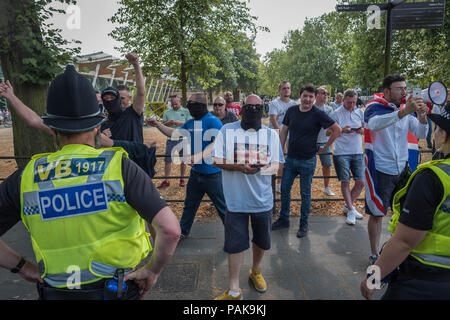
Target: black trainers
302,232
280,224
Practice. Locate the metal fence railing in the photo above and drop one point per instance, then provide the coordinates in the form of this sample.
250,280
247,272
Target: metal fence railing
273,181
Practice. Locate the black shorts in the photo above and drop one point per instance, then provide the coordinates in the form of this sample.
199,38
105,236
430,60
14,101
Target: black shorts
237,233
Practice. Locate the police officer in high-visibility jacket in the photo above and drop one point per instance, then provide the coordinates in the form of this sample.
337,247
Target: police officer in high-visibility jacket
85,208
417,257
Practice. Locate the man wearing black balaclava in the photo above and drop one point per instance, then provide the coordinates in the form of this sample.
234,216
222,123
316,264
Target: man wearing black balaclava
125,120
204,177
249,154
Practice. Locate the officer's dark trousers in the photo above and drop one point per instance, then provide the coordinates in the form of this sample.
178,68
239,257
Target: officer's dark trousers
92,291
416,281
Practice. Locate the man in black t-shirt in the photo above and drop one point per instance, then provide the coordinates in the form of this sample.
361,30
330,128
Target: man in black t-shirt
125,121
303,124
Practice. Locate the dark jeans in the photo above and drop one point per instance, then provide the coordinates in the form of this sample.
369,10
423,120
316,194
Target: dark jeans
292,168
386,185
197,186
430,129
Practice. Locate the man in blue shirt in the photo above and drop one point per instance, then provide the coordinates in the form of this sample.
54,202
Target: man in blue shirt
204,177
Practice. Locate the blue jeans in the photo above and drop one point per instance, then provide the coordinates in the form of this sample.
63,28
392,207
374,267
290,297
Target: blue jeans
292,168
199,184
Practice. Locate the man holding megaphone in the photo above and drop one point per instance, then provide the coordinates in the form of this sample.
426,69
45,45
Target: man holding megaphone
386,148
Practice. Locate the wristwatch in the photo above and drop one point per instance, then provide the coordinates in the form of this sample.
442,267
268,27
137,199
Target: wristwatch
19,266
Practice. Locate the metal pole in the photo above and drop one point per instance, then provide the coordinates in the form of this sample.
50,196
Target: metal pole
112,77
154,92
149,89
126,78
165,91
160,91
387,50
97,69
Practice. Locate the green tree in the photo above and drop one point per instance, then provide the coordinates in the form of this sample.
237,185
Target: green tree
241,72
190,37
31,53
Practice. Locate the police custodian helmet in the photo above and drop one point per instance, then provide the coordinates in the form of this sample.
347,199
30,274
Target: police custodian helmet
72,103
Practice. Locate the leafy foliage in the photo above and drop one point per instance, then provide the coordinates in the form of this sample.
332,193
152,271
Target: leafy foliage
28,38
338,50
190,37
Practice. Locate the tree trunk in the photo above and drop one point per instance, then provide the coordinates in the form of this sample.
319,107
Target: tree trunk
183,79
210,95
27,141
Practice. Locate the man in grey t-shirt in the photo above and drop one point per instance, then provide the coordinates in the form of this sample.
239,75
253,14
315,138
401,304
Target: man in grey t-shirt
325,159
277,110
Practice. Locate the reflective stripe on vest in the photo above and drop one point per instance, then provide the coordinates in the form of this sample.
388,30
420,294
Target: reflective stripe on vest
439,261
59,280
31,200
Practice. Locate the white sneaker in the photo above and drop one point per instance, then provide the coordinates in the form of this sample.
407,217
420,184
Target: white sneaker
345,209
357,214
328,192
351,219
278,188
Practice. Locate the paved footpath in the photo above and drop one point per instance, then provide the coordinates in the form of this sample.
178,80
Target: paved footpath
328,264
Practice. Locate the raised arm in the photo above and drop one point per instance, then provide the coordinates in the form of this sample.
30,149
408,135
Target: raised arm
139,96
25,113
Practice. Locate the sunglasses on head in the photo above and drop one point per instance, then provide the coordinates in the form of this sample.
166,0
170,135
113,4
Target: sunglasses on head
256,107
218,104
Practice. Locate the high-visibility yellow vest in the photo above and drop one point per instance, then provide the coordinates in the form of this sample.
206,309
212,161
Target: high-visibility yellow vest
434,249
73,204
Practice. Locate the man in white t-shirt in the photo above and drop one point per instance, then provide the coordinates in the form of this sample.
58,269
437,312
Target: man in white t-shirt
348,152
277,110
322,139
248,153
338,101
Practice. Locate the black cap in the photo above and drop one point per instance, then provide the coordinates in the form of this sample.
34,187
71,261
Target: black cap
442,120
112,91
72,103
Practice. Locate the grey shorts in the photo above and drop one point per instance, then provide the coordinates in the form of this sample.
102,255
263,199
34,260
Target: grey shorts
344,164
325,159
237,233
169,146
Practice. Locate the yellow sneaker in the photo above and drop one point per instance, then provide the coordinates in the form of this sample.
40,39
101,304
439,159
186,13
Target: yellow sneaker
227,296
256,279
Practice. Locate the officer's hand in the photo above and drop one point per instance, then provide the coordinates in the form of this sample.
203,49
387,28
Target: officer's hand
30,272
144,279
365,291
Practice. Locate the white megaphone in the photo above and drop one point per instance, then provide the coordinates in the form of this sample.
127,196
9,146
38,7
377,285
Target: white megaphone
435,93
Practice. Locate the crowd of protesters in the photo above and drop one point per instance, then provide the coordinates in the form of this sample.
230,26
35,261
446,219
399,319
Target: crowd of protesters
233,155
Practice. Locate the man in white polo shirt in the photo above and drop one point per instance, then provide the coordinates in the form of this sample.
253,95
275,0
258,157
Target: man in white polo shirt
348,152
277,110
